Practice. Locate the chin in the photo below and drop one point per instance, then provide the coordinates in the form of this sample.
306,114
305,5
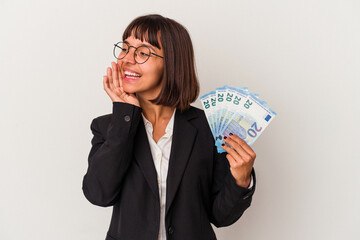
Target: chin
129,89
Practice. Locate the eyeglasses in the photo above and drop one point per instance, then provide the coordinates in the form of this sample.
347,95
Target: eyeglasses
141,53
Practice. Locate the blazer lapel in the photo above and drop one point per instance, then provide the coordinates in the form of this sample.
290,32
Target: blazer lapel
144,159
183,138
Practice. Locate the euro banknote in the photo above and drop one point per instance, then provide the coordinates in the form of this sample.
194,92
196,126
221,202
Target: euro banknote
236,110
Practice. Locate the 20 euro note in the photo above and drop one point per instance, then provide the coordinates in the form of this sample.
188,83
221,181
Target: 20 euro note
251,121
208,102
220,107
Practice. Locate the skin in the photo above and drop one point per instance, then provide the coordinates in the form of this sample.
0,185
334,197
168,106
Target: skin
241,158
121,89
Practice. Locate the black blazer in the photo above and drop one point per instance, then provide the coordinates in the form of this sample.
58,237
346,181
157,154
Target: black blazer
200,188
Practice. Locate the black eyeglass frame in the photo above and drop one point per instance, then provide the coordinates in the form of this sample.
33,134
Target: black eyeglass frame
117,45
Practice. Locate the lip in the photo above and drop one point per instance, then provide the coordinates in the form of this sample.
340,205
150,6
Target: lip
130,70
129,78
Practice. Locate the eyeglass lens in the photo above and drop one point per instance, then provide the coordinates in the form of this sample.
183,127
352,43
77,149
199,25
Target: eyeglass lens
141,53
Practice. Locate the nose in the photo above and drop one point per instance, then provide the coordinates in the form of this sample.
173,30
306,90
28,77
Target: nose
130,56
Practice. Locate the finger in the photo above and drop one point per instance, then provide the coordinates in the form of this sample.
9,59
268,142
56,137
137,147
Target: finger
107,87
232,152
231,160
115,75
243,144
125,96
241,152
106,83
121,74
109,75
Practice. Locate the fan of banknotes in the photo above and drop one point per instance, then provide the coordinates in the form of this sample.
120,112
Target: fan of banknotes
238,111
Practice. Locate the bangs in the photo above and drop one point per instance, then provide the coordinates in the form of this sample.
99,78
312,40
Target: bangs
145,29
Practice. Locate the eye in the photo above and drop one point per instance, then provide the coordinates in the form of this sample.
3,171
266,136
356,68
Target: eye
143,54
124,49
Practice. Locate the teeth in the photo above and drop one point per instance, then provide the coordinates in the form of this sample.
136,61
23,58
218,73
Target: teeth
132,74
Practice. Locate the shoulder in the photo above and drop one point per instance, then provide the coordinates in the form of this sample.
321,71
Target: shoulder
195,113
197,118
197,110
200,115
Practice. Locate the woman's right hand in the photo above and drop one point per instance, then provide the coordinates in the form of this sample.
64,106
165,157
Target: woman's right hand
113,87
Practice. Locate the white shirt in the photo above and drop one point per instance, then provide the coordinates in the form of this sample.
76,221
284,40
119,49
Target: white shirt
160,152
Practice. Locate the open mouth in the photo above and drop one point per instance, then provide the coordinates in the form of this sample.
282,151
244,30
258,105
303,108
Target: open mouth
131,75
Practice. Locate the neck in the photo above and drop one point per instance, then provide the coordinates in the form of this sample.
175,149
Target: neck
155,113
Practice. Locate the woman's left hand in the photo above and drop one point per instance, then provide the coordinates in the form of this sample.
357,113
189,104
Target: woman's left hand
241,158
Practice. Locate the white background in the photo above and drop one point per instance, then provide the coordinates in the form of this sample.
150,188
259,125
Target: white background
302,57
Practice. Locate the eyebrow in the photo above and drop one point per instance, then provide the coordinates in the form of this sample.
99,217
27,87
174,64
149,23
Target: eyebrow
144,44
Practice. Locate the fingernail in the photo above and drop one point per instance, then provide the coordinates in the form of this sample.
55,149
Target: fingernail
230,134
225,137
223,144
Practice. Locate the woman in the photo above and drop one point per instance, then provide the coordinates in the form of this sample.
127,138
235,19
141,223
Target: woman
153,159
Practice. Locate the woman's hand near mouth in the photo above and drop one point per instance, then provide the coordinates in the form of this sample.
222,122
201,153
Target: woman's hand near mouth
113,87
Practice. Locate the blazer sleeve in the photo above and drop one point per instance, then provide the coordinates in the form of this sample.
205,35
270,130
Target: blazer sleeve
229,200
110,154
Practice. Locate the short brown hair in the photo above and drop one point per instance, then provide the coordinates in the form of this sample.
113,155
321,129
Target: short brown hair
180,86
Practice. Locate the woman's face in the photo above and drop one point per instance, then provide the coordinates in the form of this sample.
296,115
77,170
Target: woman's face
147,81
